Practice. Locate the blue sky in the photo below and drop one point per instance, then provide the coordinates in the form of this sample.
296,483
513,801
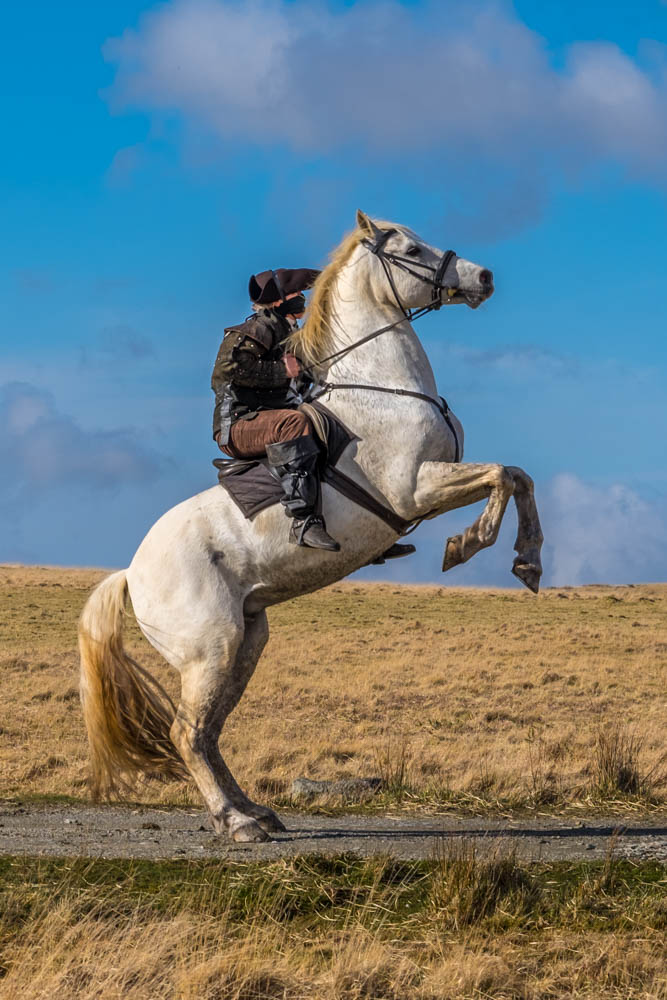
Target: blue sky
156,155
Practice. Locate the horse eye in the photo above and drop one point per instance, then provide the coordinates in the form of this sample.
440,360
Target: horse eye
413,251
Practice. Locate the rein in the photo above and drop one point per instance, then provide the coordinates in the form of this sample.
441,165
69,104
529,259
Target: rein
376,247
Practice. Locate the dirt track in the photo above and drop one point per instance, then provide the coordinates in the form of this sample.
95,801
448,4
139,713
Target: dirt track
115,832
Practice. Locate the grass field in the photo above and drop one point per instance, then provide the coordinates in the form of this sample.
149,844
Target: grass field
458,699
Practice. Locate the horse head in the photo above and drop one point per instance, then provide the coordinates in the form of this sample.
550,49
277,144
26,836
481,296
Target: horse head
408,271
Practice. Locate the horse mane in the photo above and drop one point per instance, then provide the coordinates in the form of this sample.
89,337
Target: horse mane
312,341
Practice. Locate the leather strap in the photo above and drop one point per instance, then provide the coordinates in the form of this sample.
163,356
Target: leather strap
440,404
348,488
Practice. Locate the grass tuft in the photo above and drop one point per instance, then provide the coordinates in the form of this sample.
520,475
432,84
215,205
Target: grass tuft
470,887
617,754
394,768
618,767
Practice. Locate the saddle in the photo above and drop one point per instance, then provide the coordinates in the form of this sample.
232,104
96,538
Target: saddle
253,488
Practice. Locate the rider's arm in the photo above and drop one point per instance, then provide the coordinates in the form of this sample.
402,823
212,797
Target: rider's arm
241,359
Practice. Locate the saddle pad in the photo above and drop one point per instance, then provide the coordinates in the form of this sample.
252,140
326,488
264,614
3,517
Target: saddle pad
249,481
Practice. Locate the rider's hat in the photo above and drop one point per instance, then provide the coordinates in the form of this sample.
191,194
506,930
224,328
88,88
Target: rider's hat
270,286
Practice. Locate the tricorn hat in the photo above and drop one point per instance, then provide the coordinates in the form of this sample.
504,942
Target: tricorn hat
270,286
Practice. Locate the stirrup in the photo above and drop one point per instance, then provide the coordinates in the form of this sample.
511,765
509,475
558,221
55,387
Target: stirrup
395,551
299,528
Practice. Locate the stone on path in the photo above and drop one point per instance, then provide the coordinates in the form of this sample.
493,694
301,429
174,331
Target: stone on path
345,789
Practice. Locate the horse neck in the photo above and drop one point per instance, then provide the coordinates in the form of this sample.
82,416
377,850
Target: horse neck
395,359
392,438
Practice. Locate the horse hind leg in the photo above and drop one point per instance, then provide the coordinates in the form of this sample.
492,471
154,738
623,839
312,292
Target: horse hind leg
254,640
211,686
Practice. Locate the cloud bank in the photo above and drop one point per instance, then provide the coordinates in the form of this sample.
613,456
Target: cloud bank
456,80
604,535
42,448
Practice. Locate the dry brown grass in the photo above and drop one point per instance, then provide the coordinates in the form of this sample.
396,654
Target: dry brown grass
335,929
185,958
458,698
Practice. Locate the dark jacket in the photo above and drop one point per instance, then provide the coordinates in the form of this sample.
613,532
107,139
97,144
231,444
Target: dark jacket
249,373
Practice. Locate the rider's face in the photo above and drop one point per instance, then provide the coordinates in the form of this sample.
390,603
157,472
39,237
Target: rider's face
292,295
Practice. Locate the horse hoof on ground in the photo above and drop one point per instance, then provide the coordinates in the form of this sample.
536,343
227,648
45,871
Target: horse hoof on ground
529,575
249,833
271,823
453,555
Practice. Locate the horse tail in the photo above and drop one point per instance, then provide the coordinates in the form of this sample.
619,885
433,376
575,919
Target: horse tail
128,714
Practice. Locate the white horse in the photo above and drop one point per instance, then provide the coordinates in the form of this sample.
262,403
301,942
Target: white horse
203,576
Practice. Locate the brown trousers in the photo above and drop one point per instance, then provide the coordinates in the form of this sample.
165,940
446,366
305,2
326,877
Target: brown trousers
249,438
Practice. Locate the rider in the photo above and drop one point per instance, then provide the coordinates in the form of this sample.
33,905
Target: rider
257,384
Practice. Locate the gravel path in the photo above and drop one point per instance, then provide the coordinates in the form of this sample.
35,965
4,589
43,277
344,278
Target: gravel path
122,832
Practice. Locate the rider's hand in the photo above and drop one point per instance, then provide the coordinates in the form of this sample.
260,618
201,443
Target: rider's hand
292,366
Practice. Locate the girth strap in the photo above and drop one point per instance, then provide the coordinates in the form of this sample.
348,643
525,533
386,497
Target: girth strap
321,418
348,488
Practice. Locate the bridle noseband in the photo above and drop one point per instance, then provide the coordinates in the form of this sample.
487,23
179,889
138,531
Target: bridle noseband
438,282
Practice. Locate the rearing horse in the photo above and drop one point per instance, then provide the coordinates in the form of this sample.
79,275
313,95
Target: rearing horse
202,578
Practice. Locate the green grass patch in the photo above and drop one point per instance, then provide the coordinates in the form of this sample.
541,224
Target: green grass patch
460,887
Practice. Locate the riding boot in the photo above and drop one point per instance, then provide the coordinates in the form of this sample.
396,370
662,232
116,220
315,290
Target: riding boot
294,465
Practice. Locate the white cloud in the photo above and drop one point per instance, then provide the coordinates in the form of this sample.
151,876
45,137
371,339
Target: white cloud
125,163
518,361
42,448
604,535
458,80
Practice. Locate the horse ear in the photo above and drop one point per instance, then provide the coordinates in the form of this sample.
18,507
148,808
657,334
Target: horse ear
365,223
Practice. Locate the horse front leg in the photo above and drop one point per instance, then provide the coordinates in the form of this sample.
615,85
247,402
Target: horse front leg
444,486
527,565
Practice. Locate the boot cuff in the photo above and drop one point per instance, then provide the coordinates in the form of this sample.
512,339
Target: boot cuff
294,451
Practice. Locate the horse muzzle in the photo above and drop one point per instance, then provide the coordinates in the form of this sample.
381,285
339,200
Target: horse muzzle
472,291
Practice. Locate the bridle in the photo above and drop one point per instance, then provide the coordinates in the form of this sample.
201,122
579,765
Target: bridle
442,278
438,283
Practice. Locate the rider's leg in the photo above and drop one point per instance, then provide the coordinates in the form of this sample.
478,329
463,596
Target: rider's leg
248,438
286,438
268,428
295,424
294,464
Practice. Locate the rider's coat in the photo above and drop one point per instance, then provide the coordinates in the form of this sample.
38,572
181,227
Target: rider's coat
249,374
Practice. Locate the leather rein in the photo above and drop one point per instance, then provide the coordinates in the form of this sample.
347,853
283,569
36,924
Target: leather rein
376,247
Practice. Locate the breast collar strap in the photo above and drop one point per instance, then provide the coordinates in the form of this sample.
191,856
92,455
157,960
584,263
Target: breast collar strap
440,404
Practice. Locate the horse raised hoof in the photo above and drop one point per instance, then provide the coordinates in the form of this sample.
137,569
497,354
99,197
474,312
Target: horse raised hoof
453,553
249,833
528,573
